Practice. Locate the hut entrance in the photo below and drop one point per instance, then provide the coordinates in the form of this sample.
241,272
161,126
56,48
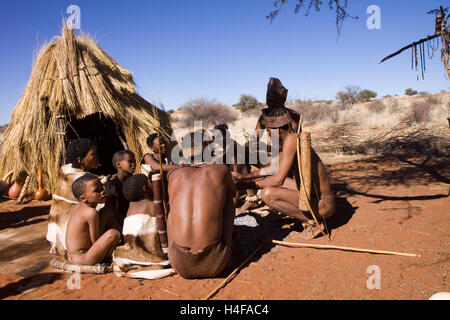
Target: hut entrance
105,132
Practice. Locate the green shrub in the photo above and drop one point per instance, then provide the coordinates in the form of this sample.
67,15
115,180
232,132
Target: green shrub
248,102
410,92
366,95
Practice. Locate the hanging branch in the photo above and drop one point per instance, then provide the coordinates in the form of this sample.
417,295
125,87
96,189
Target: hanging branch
411,45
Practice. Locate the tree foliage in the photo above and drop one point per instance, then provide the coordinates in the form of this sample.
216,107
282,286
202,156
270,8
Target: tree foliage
350,95
248,102
410,92
340,7
208,111
366,95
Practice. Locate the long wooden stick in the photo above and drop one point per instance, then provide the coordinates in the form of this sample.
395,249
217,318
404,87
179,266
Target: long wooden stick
231,276
409,46
324,246
162,177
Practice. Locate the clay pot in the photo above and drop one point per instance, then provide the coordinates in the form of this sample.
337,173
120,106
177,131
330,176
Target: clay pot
14,191
41,194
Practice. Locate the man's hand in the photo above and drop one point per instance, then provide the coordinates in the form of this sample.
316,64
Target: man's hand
240,177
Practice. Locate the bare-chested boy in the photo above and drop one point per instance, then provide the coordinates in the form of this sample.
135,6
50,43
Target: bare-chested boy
85,245
201,218
124,162
280,190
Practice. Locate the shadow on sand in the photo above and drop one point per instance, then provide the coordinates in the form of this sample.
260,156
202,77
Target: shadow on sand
36,281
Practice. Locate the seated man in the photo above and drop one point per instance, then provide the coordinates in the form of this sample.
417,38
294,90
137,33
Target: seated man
281,189
201,218
85,244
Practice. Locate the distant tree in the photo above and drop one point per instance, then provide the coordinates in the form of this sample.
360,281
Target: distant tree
169,112
209,111
248,102
366,95
349,96
340,7
410,92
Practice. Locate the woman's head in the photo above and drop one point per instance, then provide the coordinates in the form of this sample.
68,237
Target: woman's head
82,153
156,143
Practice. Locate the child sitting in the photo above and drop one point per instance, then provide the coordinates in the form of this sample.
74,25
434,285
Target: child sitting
141,256
125,163
85,245
141,217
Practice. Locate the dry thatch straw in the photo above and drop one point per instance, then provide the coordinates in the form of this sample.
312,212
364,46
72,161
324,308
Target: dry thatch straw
73,77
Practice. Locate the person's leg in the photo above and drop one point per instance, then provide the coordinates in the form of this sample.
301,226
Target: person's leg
285,201
101,249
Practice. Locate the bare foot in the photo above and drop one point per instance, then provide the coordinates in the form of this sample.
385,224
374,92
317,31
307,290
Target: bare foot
247,206
311,230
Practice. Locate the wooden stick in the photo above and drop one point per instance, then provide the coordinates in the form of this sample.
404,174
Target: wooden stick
231,276
324,246
162,177
409,46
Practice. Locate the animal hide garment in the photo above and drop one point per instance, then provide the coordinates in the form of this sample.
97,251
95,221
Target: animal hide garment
141,256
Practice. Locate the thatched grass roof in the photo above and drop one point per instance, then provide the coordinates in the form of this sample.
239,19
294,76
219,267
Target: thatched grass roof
73,77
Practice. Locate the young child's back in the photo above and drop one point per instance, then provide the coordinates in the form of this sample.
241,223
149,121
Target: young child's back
140,227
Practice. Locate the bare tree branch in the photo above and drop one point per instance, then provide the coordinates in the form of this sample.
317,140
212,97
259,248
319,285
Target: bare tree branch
339,6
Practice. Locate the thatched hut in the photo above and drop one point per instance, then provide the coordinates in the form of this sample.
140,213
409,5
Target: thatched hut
76,90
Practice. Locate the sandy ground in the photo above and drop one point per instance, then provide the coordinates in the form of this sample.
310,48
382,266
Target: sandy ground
397,203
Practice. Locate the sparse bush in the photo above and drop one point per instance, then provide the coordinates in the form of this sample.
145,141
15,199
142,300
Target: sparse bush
209,111
376,107
410,92
314,112
349,96
247,102
420,112
366,95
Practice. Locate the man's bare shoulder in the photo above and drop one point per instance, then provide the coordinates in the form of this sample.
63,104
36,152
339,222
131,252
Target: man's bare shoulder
291,139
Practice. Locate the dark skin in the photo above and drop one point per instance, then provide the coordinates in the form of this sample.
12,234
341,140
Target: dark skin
202,209
90,162
125,167
85,243
148,159
279,190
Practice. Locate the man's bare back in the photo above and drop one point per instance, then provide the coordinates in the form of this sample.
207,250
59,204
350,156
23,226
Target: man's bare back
201,212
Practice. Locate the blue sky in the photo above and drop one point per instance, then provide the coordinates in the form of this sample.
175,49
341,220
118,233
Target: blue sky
184,49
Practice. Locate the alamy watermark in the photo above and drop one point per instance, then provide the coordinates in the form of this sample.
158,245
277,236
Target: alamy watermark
74,281
216,146
74,18
374,280
374,20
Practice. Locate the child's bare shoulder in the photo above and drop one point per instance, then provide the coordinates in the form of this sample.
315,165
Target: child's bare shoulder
86,212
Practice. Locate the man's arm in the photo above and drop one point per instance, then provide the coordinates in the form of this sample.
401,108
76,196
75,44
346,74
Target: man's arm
148,159
286,162
269,170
